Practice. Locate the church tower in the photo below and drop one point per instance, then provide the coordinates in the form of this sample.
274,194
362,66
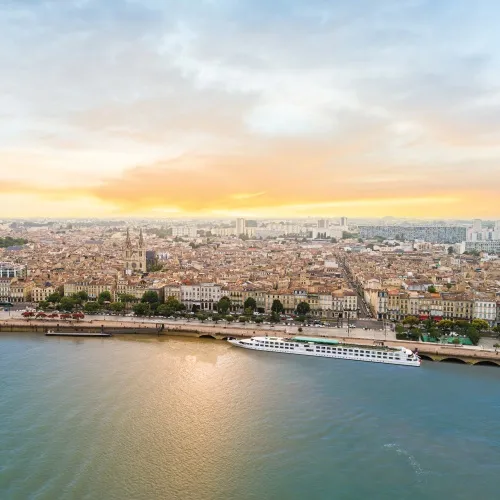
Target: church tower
135,256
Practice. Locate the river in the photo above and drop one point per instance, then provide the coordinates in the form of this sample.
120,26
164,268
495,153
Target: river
148,418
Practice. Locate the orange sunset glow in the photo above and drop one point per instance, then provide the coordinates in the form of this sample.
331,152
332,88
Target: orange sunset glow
224,109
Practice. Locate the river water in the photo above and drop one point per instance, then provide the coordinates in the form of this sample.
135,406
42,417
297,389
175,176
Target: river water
143,418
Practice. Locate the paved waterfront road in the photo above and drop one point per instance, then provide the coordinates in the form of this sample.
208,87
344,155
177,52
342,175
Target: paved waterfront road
374,331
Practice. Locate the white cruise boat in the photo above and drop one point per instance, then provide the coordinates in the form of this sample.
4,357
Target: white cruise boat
328,348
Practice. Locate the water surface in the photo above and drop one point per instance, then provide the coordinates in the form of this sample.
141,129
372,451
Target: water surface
142,418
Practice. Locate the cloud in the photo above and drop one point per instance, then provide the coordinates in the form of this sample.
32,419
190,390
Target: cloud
251,105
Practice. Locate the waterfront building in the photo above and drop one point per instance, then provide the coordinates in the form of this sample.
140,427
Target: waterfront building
5,289
40,293
93,288
20,291
486,310
203,295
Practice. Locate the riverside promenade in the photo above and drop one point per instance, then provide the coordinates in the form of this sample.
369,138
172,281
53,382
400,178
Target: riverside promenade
145,326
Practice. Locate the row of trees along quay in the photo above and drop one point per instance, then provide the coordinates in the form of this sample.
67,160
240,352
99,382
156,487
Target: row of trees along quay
446,330
150,305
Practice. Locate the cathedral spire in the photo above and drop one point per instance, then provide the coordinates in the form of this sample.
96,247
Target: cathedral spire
128,243
141,239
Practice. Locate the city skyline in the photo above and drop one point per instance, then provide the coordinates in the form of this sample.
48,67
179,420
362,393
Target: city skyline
225,109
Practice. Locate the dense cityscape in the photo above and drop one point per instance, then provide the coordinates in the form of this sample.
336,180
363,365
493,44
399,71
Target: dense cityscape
323,271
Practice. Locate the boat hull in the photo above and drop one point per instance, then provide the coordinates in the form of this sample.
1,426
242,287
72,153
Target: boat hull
245,344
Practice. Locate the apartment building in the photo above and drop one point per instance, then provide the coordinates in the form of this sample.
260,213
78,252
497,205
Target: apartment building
40,293
5,289
432,234
486,310
203,295
93,288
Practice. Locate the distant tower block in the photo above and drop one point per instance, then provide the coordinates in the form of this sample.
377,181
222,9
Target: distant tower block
135,256
240,226
343,221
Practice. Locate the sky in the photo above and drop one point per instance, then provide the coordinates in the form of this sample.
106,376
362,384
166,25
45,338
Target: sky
225,108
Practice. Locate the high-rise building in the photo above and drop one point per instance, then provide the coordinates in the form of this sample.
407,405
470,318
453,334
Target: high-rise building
240,226
343,221
322,224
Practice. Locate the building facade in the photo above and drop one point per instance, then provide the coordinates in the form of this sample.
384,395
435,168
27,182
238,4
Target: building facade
135,256
432,234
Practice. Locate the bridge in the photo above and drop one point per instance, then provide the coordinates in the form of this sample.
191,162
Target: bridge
447,353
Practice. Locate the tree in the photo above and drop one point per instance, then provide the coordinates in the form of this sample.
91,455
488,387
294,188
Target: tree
496,329
400,329
277,306
250,303
83,296
473,334
201,316
154,267
54,298
43,304
411,321
66,304
216,318
259,320
224,305
446,325
104,297
242,319
173,303
480,325
141,309
151,297
229,318
127,298
275,317
414,334
303,308
117,307
431,289
92,307
163,310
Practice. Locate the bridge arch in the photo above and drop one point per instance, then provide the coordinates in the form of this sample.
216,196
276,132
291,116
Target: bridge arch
486,362
426,357
206,336
454,360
